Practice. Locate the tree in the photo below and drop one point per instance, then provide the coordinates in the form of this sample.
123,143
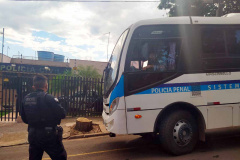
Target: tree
200,7
231,6
87,71
63,82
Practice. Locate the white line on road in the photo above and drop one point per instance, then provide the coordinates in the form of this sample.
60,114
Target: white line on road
97,152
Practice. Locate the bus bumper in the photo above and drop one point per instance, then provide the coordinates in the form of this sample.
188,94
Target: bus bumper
116,122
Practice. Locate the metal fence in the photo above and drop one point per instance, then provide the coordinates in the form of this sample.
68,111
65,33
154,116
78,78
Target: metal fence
79,96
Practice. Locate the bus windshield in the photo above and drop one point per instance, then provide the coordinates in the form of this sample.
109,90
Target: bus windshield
112,67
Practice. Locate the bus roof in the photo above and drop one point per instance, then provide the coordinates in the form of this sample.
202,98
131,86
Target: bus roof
233,19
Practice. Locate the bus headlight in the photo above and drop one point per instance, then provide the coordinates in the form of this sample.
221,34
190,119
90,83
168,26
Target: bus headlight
114,105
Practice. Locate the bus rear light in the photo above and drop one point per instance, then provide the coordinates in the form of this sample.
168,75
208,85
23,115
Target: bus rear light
137,116
134,109
213,103
137,109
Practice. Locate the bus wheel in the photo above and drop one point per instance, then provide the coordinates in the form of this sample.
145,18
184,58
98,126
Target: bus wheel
178,132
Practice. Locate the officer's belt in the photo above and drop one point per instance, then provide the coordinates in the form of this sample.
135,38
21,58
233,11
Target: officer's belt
43,128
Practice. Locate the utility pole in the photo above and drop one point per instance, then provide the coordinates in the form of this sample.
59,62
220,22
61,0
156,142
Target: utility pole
2,45
108,45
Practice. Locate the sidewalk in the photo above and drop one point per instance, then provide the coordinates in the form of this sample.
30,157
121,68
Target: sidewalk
13,133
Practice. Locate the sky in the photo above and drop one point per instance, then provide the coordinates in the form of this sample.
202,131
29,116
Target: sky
77,30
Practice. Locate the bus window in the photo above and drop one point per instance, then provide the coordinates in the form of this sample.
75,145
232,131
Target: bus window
154,49
213,42
218,50
152,56
136,62
233,42
155,56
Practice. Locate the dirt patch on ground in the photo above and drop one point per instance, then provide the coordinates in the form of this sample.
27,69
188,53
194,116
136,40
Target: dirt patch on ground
96,129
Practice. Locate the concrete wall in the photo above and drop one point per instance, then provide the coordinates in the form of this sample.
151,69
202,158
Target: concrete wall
6,59
37,62
100,66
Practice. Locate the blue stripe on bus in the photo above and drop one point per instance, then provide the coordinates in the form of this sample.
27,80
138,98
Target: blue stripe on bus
118,91
187,87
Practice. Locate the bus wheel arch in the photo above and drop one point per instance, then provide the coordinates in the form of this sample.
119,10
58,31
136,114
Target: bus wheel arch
187,107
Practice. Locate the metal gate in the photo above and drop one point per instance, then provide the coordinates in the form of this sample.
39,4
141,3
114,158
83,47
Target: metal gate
12,90
79,96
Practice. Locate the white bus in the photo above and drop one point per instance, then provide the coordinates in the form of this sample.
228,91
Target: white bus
175,78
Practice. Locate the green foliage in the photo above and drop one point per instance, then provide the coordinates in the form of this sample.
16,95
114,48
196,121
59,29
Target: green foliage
3,113
66,81
198,8
55,83
231,6
84,72
87,71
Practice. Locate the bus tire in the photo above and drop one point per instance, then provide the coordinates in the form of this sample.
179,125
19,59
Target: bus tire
178,132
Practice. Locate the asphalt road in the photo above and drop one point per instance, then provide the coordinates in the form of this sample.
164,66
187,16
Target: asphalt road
218,146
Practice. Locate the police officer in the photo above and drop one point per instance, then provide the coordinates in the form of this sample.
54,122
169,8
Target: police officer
42,112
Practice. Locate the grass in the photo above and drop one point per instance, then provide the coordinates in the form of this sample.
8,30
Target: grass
3,113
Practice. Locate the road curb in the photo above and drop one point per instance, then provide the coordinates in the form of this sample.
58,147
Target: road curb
68,138
87,135
13,145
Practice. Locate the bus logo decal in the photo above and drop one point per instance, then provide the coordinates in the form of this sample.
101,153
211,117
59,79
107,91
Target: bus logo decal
195,87
196,90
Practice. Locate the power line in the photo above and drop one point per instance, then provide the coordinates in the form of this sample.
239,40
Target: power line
108,1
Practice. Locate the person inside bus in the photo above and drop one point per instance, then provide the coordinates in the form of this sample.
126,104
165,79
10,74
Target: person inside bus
152,63
163,60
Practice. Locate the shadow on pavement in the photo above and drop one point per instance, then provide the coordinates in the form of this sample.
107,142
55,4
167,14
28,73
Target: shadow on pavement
219,144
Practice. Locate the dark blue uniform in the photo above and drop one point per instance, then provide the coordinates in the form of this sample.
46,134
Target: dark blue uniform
42,112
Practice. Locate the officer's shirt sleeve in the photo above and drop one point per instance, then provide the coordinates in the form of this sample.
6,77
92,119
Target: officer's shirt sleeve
56,106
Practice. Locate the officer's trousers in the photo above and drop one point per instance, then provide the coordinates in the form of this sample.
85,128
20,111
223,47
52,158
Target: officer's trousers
41,140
